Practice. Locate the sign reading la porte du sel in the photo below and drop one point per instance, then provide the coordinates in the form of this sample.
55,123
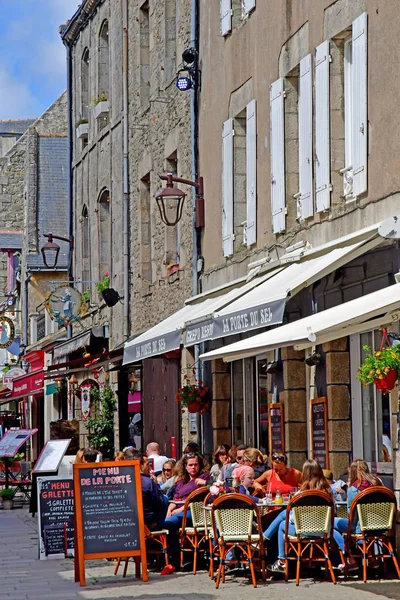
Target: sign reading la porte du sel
241,321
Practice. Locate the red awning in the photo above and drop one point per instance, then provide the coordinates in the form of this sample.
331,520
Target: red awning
28,385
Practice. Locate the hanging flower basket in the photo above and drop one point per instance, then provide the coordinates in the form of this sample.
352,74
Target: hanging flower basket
194,396
388,382
380,367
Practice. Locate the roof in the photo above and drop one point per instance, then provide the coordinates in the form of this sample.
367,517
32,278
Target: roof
10,240
52,197
18,126
70,31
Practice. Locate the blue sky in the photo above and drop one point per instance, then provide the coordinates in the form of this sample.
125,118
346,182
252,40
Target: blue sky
32,56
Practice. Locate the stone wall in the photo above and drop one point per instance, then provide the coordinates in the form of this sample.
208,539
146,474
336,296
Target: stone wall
159,142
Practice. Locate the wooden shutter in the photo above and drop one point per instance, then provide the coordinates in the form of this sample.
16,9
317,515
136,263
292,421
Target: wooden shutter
248,5
227,187
251,172
359,105
322,129
305,139
225,16
277,149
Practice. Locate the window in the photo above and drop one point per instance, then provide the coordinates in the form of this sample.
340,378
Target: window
104,228
85,84
239,180
371,410
104,61
243,401
103,80
146,248
170,40
85,248
355,109
144,29
277,151
232,12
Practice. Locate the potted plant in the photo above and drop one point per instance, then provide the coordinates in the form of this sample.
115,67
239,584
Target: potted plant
103,284
82,129
7,496
194,396
100,106
380,367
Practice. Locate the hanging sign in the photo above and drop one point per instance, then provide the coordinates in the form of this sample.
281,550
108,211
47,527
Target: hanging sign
109,517
9,376
7,332
85,400
64,305
319,431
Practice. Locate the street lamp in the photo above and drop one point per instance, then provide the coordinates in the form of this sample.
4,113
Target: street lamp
50,250
170,200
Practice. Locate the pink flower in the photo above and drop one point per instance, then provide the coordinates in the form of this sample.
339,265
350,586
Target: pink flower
214,489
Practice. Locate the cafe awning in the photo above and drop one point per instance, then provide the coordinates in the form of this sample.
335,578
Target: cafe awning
368,312
27,385
166,336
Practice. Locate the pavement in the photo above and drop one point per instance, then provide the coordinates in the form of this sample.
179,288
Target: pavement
24,577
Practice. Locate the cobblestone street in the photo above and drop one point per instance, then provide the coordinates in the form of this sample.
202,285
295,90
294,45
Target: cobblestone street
24,577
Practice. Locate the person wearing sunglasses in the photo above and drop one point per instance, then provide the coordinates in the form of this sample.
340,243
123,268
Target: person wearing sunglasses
280,477
167,476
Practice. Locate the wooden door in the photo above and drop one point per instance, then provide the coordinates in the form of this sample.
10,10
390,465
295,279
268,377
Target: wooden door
161,412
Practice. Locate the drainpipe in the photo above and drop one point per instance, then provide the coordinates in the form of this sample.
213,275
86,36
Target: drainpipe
125,167
26,312
70,220
195,168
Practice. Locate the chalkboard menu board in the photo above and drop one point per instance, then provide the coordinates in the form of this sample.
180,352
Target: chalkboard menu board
319,431
55,539
109,513
55,509
276,426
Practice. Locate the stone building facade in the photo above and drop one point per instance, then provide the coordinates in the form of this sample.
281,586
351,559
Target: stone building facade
129,124
303,155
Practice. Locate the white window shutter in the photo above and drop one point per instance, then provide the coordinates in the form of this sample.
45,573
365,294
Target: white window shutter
227,187
322,128
277,149
225,16
305,139
251,172
359,105
248,5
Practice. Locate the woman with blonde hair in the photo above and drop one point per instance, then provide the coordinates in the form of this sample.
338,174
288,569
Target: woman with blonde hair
168,475
253,458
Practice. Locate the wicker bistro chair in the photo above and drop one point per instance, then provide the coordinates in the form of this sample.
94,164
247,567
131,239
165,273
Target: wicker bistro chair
313,514
233,517
376,511
194,538
157,539
209,535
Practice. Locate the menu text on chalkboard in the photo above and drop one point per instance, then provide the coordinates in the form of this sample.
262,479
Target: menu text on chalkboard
55,509
55,539
319,431
109,513
276,425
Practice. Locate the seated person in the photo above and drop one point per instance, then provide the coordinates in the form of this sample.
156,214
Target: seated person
313,479
338,487
255,459
280,477
167,477
154,502
244,480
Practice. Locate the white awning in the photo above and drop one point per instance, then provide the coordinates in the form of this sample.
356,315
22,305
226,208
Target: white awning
166,336
368,312
264,305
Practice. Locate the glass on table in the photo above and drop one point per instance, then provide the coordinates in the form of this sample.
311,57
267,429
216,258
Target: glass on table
293,491
268,498
285,498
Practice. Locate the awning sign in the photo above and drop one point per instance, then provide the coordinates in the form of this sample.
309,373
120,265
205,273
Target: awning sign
153,346
255,317
30,384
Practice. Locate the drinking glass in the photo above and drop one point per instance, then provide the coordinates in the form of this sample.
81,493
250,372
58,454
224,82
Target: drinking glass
268,498
285,498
